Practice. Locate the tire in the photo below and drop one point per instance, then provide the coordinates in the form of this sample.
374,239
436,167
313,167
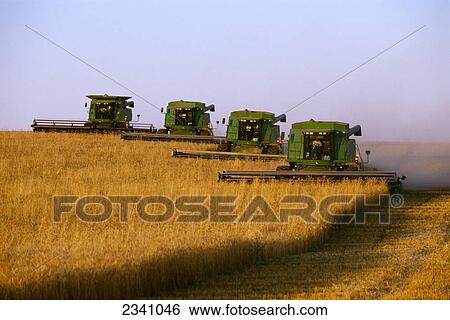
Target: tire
205,133
290,167
223,147
273,150
284,168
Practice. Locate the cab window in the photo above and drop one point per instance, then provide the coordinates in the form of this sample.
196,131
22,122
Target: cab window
318,146
104,110
249,130
184,117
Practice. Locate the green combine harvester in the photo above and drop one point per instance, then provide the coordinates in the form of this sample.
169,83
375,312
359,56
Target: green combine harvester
184,121
107,114
250,135
320,150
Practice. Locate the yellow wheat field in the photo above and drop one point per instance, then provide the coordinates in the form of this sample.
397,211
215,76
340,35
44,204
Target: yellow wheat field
75,259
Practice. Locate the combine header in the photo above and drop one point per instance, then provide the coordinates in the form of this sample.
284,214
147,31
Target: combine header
250,135
107,114
184,121
320,150
172,137
226,155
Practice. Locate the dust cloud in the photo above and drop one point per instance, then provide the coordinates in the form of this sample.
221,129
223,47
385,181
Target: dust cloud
427,165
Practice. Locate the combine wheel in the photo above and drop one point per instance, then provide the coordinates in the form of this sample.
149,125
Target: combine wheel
223,147
273,150
284,168
205,133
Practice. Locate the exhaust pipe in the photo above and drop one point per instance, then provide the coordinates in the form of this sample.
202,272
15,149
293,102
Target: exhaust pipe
356,130
280,118
211,108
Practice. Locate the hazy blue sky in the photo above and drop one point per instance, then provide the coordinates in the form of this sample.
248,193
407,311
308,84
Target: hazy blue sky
265,55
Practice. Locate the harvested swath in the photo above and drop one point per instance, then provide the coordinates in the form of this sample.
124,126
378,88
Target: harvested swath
406,259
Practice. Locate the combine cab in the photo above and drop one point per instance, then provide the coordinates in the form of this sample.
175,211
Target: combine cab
250,135
320,150
107,114
253,132
188,118
184,121
323,145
